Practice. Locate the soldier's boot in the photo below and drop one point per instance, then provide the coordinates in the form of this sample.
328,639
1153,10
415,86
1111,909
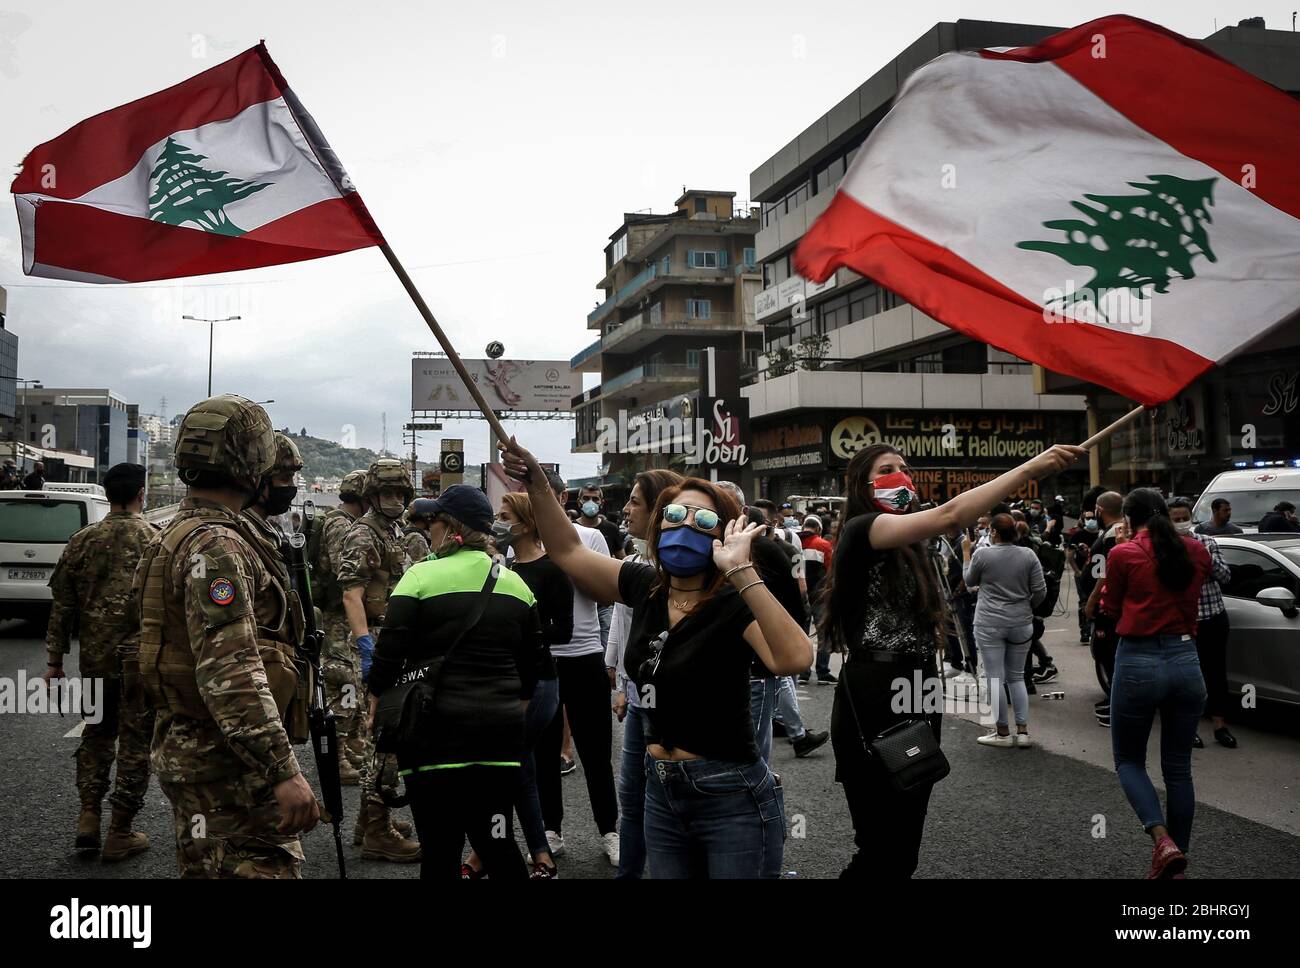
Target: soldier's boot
355,749
122,841
400,827
349,775
382,842
88,828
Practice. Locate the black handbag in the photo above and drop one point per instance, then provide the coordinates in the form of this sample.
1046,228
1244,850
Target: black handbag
404,714
907,751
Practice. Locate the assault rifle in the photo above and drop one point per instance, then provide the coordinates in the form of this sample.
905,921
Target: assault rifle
324,736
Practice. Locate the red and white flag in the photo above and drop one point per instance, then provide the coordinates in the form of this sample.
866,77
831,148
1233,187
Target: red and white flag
224,171
1116,203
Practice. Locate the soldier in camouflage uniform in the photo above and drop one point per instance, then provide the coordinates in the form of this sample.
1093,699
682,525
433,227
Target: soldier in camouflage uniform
370,565
415,534
91,588
218,658
339,662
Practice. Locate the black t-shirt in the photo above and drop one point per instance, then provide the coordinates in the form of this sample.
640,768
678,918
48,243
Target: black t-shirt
554,593
698,697
871,614
1100,549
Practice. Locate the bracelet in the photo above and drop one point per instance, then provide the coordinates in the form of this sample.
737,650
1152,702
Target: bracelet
731,571
741,591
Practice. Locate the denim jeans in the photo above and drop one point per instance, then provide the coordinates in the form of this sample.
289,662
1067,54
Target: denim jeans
762,700
631,797
1160,673
540,711
787,708
713,819
1003,651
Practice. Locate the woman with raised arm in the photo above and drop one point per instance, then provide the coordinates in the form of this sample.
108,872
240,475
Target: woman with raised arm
884,612
699,613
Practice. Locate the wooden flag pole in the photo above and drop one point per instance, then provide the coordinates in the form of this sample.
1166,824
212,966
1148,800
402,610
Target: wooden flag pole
445,343
1105,432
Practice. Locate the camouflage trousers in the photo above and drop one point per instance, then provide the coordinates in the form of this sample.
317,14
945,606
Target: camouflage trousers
372,777
341,669
227,829
123,733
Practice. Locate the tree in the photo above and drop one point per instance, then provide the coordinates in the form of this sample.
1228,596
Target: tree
813,350
1136,242
185,193
780,362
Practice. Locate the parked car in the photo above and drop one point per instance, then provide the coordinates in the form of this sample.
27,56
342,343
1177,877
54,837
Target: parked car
1251,493
1261,597
34,527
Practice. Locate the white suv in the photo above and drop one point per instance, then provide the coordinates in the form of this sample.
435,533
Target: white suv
1252,494
34,527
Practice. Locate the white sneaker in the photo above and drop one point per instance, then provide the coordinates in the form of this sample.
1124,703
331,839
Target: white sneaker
609,844
993,739
964,677
554,843
1023,741
950,670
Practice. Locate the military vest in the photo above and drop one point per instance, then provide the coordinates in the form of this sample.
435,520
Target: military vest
167,664
391,565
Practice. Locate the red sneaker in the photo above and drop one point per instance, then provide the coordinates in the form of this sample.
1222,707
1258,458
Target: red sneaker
468,873
1166,860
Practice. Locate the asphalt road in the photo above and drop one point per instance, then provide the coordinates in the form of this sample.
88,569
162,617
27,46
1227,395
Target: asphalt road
1000,813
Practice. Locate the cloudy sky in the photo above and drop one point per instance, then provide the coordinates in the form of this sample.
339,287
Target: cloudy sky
497,145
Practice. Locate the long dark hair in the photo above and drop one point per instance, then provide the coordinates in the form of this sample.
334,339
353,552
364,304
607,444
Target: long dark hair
1145,506
909,559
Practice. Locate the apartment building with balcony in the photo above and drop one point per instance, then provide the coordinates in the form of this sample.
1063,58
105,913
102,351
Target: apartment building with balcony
674,285
848,362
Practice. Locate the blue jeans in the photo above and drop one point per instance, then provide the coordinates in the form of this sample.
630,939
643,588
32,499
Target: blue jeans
787,708
631,797
541,710
1003,652
1160,673
762,700
712,819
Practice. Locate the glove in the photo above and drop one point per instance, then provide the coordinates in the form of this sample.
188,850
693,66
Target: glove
366,648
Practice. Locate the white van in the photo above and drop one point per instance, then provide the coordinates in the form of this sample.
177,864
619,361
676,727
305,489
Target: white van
34,527
1252,494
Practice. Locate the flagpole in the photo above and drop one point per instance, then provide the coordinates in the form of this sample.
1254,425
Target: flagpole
444,342
1105,432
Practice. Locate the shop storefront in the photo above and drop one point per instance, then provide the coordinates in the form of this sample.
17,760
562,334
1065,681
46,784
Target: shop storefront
949,451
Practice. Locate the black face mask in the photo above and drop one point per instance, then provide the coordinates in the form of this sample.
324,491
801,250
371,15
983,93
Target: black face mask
502,536
278,499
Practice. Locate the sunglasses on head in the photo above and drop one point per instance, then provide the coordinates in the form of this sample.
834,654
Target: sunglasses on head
705,519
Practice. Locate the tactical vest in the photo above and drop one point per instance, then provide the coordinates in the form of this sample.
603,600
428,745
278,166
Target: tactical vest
391,563
325,589
167,666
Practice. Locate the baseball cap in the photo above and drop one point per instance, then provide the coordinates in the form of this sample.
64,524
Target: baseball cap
466,504
812,519
787,504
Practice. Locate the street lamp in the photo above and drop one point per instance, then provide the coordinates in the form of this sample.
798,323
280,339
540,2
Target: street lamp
211,328
18,409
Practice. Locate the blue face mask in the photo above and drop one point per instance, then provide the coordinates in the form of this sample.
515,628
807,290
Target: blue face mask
1090,524
590,509
684,552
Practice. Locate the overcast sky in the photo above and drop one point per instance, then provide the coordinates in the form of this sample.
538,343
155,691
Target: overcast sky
497,145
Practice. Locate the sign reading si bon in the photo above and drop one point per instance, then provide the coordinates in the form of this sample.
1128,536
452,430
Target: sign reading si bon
532,385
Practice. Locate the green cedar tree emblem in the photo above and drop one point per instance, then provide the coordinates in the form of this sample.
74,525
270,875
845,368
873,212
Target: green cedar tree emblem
1136,242
185,193
901,499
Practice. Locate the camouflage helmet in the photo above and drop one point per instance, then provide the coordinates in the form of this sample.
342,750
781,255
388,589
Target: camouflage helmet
354,482
287,458
388,472
226,434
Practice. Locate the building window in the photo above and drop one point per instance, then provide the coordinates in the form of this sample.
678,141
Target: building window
701,206
748,256
698,308
698,259
693,358
619,251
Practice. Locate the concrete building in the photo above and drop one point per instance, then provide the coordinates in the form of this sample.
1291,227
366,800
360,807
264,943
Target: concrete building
8,367
86,421
674,284
848,362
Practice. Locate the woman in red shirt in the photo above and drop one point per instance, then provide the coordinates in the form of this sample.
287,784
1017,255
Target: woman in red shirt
1153,582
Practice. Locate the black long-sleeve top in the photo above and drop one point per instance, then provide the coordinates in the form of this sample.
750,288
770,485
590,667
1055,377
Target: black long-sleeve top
554,593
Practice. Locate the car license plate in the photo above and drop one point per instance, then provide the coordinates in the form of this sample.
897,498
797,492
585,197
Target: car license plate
28,574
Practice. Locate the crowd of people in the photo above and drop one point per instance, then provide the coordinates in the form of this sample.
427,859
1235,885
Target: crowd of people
503,634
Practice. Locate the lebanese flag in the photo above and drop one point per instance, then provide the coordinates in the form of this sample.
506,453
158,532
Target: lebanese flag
224,171
1117,203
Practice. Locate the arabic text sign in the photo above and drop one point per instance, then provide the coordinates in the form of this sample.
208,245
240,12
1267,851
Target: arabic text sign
533,385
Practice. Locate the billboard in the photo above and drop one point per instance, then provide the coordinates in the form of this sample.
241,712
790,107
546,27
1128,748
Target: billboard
534,385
